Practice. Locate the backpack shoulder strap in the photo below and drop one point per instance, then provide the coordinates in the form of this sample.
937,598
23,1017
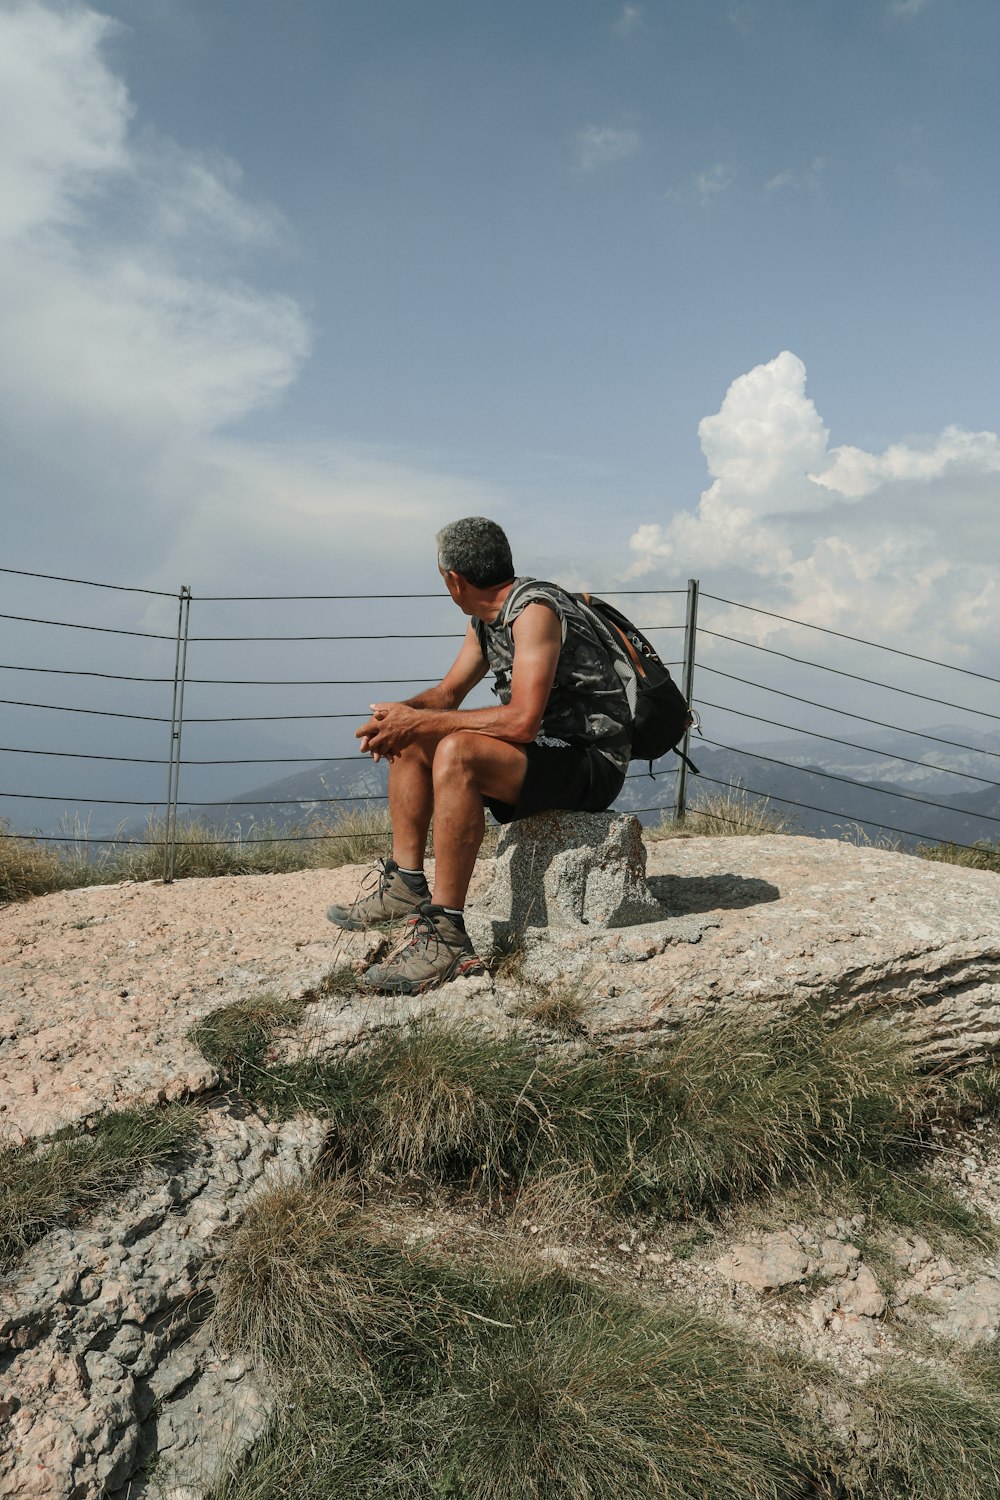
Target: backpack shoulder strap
526,591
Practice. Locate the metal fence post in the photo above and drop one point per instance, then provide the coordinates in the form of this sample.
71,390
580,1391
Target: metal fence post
176,730
690,641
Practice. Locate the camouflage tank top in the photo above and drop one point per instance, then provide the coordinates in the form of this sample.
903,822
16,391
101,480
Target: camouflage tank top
587,704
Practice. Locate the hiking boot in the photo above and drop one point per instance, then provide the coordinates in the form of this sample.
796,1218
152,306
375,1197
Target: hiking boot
390,901
436,949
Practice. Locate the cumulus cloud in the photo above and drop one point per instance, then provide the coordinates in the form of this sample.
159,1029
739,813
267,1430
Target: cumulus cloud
807,180
630,20
834,534
600,145
718,179
136,340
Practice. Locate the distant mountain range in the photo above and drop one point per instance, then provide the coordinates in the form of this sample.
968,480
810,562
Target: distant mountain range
943,784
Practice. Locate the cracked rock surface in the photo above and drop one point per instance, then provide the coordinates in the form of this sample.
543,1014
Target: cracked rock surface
105,1358
99,988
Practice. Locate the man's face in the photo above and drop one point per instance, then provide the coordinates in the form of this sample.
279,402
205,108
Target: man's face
456,586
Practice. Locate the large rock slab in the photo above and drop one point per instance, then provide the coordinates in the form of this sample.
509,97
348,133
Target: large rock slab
105,1355
829,925
563,870
100,988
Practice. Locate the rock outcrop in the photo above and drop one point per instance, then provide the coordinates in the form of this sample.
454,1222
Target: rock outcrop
100,988
105,1356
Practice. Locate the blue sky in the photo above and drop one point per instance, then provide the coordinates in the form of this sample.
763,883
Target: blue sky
669,289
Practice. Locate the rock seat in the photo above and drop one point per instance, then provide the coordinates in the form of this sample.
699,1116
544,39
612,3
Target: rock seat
563,870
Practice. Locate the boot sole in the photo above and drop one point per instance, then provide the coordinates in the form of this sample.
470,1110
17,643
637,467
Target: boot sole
462,968
347,923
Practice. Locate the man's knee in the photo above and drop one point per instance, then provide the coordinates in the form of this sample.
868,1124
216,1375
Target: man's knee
458,753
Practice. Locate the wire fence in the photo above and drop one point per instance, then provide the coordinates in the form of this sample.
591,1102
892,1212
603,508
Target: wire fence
158,691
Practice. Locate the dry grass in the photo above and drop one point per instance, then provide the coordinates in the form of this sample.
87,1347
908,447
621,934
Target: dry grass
27,868
203,849
51,1183
404,1375
982,855
728,1112
559,1006
308,1287
726,814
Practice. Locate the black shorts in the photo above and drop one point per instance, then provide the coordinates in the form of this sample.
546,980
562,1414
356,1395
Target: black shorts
573,778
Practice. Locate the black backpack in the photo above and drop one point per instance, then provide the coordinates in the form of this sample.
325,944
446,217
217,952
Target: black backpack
660,713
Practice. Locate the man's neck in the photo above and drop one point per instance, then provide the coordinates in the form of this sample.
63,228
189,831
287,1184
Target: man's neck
491,602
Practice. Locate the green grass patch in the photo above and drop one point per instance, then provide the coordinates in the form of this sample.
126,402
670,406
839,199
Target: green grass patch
724,1113
559,1006
51,1183
236,1038
408,1376
932,1438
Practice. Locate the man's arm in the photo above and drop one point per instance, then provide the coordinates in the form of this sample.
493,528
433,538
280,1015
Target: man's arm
537,642
468,669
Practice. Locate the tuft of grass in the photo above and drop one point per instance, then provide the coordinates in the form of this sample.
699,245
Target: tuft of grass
982,855
574,1392
728,814
351,838
236,1038
342,979
933,1438
519,1383
973,1093
914,1200
307,1287
726,1112
49,1184
26,868
559,1006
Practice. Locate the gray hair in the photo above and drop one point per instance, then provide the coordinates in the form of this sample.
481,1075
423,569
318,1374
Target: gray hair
477,549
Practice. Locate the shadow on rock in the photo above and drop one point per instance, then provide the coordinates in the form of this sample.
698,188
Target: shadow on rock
681,895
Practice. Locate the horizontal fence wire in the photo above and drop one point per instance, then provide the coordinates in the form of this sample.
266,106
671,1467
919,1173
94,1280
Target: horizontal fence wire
227,802
864,786
325,598
845,713
399,635
854,676
119,588
852,744
82,672
909,833
104,713
146,635
857,640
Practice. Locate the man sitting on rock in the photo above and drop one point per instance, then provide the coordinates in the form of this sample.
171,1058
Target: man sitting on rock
559,737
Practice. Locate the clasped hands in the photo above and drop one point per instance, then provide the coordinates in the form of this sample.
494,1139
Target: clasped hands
390,729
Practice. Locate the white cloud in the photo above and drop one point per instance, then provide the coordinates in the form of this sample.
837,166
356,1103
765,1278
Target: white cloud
808,180
134,340
907,8
901,540
599,145
718,179
629,21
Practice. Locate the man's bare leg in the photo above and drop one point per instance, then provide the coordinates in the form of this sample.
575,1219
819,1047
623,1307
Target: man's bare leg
411,802
466,768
